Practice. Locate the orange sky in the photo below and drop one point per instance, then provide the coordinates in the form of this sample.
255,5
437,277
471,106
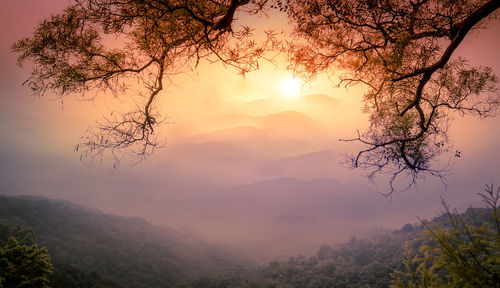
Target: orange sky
228,131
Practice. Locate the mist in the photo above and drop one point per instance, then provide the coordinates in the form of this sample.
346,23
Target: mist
241,167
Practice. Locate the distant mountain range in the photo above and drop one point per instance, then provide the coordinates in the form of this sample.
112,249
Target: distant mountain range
280,216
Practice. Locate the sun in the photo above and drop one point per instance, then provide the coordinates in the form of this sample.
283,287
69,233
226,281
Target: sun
290,87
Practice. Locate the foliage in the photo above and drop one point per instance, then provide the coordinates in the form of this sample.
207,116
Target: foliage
400,49
92,249
17,229
452,250
24,266
154,40
357,263
464,253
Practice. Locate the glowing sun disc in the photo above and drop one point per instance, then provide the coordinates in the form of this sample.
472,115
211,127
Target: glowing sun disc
290,87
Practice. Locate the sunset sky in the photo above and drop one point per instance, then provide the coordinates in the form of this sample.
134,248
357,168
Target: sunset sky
226,132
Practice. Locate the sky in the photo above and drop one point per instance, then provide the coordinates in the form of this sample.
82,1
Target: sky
241,157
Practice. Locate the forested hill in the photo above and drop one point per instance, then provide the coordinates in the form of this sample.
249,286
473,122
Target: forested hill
92,249
357,263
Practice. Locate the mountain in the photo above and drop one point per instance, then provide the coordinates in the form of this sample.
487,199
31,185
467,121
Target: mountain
366,262
323,198
370,261
281,216
90,248
290,131
93,249
291,120
309,104
231,134
318,164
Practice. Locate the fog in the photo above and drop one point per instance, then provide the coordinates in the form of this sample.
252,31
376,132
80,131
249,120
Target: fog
249,170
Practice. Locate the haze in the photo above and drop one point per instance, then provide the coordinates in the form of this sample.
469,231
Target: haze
244,163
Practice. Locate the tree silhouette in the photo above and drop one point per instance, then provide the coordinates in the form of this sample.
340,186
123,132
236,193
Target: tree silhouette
156,39
400,49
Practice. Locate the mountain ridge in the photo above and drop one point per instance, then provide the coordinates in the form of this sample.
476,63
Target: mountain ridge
123,251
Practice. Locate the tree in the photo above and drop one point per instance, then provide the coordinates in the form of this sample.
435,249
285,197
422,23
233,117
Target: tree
156,40
24,266
401,49
23,233
463,253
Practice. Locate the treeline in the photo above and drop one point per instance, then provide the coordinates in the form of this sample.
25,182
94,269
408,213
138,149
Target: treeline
92,249
357,263
451,251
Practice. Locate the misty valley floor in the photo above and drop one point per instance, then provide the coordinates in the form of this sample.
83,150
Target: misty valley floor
91,249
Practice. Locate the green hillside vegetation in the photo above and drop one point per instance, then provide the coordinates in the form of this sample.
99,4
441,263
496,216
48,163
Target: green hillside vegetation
461,252
452,250
92,249
357,263
24,266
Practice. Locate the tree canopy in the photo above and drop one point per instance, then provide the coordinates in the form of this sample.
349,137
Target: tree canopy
463,253
400,49
24,266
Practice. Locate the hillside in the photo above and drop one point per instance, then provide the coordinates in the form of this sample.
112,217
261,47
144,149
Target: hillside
92,249
285,216
367,262
353,264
